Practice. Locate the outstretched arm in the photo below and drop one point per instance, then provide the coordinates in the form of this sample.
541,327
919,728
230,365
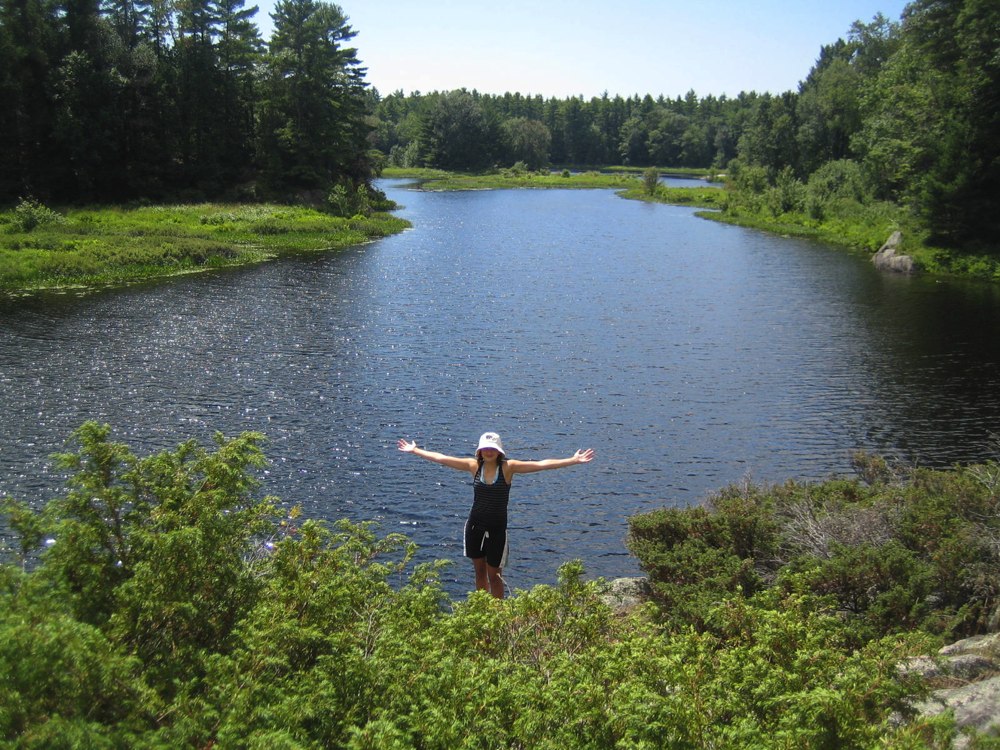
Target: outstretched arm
527,467
453,462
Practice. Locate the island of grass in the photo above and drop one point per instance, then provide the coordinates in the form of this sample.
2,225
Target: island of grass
627,182
43,249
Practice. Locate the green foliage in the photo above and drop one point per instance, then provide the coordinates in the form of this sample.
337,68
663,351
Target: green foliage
788,194
458,133
891,556
30,214
892,122
651,180
526,141
511,178
833,206
110,245
346,200
841,180
65,684
886,587
312,115
179,101
175,610
695,557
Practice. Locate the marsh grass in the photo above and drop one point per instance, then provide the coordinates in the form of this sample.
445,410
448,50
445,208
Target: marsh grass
693,172
510,179
95,246
628,183
699,197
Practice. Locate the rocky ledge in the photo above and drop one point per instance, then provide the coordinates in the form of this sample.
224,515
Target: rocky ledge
967,676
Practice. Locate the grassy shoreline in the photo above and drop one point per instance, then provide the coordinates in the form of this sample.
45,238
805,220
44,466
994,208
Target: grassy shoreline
89,247
437,180
865,234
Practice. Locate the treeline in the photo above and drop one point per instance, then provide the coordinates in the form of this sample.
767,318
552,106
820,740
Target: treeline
905,112
462,130
115,100
158,603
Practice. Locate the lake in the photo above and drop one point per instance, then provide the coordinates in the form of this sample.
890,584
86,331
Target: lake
688,354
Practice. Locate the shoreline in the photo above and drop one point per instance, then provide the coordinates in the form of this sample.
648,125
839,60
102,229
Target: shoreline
91,248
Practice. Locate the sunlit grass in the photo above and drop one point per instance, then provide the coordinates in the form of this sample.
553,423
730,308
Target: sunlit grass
509,179
108,245
698,197
627,182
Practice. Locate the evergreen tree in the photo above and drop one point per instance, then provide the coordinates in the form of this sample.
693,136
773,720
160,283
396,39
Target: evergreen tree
960,40
29,44
313,124
239,49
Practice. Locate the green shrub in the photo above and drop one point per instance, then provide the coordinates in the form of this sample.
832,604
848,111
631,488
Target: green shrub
650,180
695,557
518,169
347,200
897,554
787,196
30,214
841,180
885,587
174,609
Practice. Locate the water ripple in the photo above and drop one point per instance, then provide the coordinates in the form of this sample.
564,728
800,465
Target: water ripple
688,354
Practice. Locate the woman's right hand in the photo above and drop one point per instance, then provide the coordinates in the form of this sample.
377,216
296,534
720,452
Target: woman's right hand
405,446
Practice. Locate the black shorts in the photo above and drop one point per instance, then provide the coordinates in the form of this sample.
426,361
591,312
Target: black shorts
489,543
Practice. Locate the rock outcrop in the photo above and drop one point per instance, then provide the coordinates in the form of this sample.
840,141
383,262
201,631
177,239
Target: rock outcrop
888,257
622,594
968,675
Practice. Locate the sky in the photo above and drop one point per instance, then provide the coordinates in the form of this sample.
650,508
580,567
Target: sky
564,48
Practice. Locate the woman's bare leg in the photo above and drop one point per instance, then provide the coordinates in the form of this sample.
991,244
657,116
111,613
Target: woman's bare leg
496,581
482,575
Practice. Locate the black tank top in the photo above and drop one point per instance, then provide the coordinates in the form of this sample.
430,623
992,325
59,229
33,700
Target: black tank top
489,503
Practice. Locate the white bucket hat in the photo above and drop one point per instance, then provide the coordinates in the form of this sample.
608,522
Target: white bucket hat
490,440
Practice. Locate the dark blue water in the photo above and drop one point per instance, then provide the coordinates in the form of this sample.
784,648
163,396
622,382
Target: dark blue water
688,354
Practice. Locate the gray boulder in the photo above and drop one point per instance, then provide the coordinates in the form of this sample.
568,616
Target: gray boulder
888,257
968,673
622,594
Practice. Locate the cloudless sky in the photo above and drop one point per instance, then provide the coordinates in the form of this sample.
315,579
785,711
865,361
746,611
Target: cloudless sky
563,48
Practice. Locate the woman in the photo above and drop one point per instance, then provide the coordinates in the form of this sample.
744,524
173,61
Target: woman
492,473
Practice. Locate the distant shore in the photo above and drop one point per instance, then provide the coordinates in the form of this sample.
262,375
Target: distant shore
862,233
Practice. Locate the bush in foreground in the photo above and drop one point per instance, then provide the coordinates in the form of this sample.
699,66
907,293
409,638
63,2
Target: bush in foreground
890,554
159,604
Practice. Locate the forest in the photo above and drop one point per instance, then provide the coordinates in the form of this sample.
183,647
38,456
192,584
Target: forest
129,100
152,100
